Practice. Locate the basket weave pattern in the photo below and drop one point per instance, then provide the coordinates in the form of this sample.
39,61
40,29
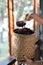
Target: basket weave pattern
23,45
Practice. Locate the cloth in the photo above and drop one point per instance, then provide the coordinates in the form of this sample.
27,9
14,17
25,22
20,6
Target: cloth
39,32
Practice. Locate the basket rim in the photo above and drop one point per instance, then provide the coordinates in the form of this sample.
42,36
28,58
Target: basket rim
24,34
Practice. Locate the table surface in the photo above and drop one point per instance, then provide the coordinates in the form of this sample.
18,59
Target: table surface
38,63
8,61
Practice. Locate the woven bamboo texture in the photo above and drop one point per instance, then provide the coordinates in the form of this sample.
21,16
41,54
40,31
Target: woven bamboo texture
23,45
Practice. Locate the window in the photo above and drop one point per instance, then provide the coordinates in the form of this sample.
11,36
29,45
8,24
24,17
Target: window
3,30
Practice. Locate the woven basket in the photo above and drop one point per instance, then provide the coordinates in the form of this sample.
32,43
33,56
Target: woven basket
23,45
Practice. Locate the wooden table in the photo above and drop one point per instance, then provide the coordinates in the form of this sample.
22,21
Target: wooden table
8,61
38,63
